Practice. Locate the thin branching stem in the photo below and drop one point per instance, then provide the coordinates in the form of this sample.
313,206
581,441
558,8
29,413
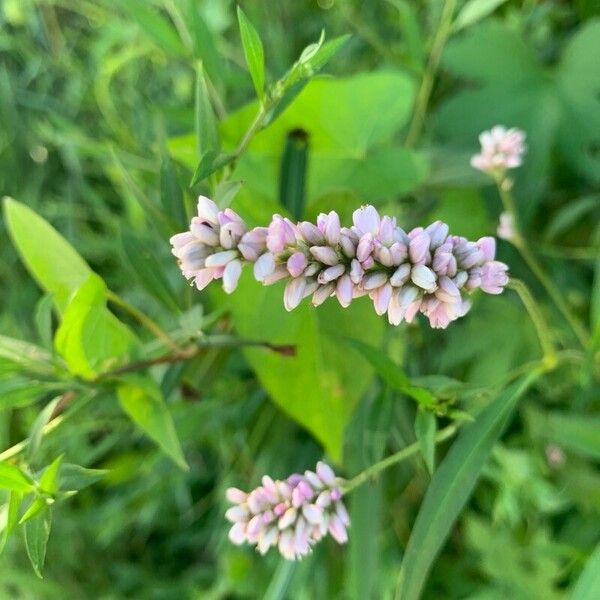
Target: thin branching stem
424,94
520,243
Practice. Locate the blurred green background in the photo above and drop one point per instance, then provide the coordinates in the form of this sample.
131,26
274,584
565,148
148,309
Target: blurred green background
97,135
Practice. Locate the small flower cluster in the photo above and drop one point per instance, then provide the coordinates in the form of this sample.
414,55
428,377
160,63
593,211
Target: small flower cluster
501,149
425,270
293,514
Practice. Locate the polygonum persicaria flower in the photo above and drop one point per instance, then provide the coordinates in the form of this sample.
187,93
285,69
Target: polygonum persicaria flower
211,248
292,514
501,149
424,270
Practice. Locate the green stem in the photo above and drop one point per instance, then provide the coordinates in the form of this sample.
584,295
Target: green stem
394,459
521,245
541,326
144,319
437,47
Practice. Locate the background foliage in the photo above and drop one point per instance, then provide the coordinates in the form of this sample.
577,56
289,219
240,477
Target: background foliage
100,108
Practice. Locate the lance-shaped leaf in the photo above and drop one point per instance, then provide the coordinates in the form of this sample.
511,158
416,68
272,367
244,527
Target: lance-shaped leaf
12,478
451,487
142,401
253,51
37,532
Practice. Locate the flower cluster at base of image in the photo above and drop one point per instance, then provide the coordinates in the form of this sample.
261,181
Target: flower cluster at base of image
293,514
425,270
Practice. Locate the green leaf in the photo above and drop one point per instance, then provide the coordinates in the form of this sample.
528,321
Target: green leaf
207,134
28,356
588,584
18,391
37,532
325,52
88,338
12,478
575,432
11,518
140,255
210,162
171,195
159,29
292,178
320,386
49,478
425,429
43,320
50,259
253,51
142,401
76,477
451,487
392,374
38,505
37,429
475,10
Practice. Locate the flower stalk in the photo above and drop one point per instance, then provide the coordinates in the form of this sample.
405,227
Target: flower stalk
520,243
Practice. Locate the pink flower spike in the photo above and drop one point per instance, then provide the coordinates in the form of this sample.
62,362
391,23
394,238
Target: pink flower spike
281,233
208,210
381,298
322,293
487,245
325,254
494,277
264,266
235,495
203,278
366,219
325,473
231,275
419,247
506,227
343,290
296,264
220,259
294,292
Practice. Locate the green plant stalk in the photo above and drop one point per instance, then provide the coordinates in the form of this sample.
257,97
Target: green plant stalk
520,243
541,326
394,459
437,47
145,320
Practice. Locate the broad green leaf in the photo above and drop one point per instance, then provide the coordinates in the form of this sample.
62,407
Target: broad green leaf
350,125
11,517
49,478
575,432
464,211
157,27
588,584
253,51
578,80
50,259
475,10
392,374
425,429
171,195
37,532
88,338
12,478
321,385
142,401
451,487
